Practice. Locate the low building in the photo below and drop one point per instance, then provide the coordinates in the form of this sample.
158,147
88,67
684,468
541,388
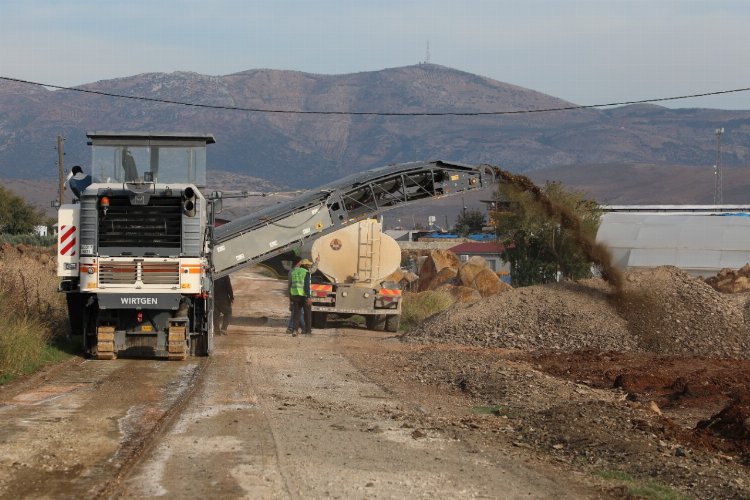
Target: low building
698,239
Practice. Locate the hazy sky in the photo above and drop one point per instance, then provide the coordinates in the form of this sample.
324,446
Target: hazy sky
585,51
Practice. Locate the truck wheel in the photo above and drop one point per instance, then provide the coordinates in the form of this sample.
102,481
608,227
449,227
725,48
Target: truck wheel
392,322
319,319
375,322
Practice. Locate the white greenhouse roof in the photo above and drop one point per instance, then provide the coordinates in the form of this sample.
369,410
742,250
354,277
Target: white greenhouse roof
699,243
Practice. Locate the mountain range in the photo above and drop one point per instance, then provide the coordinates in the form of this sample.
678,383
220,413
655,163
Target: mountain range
289,150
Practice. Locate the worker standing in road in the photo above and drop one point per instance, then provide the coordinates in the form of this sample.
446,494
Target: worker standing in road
223,298
301,297
290,325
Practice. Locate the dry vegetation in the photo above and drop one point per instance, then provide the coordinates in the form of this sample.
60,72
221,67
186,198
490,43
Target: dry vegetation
34,311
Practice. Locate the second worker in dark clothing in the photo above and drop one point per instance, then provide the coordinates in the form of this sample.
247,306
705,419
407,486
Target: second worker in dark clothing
223,298
300,295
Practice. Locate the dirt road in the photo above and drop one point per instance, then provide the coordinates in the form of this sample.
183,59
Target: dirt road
266,416
350,413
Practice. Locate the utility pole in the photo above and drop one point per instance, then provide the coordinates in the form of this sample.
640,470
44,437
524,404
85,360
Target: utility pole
718,181
61,169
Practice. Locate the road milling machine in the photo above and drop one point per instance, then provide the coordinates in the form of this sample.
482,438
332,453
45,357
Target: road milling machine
139,251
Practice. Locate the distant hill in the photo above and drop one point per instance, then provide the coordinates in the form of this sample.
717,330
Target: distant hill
289,150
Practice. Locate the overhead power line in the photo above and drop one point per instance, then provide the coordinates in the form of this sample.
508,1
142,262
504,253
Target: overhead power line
376,113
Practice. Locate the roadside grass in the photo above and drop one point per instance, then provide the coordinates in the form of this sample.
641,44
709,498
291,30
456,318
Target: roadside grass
417,307
267,272
497,410
635,488
34,355
357,320
28,239
34,330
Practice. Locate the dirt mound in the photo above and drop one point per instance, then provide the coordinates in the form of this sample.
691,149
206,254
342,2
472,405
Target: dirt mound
564,316
674,313
663,310
733,422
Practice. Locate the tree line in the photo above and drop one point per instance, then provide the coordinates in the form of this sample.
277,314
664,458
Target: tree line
17,216
537,247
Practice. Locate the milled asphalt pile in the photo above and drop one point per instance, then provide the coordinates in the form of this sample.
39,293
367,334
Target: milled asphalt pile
663,311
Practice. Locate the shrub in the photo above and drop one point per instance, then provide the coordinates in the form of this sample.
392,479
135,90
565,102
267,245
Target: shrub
33,311
419,306
28,287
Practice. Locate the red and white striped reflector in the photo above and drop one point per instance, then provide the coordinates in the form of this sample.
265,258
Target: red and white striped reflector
67,243
389,292
315,287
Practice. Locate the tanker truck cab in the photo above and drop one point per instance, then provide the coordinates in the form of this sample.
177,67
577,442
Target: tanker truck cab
133,251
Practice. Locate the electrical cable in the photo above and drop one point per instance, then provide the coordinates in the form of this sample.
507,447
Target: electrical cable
377,113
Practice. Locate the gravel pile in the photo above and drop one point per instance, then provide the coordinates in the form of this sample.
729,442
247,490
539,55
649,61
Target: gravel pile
663,310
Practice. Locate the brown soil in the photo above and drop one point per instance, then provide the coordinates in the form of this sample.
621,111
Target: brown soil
705,400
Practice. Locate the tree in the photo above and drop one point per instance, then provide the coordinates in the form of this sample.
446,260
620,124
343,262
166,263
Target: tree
17,216
470,221
537,246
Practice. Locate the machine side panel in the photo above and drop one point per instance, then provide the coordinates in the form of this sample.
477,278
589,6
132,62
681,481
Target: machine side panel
68,240
192,231
89,220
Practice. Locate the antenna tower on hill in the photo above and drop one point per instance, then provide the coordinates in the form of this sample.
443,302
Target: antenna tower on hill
427,54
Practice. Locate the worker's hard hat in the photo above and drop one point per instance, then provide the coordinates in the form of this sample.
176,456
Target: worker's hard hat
305,262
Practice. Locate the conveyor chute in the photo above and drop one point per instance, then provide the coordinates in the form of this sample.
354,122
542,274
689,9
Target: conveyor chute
275,229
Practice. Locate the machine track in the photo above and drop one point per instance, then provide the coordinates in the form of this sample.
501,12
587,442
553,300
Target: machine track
176,343
105,342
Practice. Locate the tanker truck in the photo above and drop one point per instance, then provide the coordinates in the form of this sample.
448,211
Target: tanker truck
138,250
354,263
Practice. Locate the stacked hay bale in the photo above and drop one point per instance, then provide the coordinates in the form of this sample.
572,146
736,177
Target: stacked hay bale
466,281
731,281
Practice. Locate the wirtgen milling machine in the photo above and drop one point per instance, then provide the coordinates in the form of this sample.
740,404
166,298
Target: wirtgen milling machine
138,253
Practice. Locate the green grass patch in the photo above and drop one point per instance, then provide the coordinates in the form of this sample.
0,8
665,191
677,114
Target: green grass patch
417,307
648,490
497,410
55,351
357,320
28,239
